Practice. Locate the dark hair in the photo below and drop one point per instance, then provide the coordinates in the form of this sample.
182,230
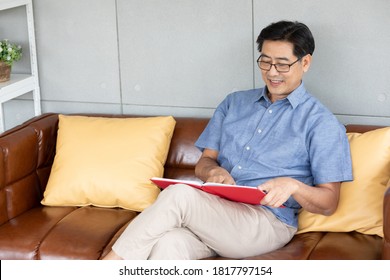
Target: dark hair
291,31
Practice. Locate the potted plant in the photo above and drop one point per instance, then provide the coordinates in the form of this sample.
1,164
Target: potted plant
9,53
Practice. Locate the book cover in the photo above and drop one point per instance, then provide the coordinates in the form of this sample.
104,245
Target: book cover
245,194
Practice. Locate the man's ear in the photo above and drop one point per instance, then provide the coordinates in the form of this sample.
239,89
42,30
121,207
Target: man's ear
306,62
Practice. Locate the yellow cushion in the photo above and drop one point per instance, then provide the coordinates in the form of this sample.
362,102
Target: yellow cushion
361,201
108,162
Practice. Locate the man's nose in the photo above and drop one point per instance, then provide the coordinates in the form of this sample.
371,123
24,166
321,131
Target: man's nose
273,70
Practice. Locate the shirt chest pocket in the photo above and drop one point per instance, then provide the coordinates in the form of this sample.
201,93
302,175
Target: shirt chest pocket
285,151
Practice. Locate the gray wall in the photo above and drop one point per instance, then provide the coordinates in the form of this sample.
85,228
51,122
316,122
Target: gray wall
182,57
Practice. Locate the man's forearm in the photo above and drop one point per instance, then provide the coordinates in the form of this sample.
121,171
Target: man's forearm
203,168
321,199
208,169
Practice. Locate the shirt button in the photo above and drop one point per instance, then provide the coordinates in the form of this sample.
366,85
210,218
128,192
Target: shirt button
270,111
248,148
240,167
259,131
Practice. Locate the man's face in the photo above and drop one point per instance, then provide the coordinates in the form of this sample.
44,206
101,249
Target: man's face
279,84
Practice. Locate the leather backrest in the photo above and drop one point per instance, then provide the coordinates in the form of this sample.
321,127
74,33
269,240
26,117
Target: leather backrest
183,155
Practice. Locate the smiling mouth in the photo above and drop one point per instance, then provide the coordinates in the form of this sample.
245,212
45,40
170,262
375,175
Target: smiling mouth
274,82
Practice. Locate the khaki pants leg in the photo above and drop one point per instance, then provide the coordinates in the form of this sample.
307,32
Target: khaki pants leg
180,244
230,229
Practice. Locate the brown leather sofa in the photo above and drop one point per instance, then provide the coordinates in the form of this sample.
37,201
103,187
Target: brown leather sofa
29,230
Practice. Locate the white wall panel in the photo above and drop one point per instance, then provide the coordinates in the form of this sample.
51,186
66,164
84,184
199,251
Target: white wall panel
183,52
18,111
77,50
147,110
70,107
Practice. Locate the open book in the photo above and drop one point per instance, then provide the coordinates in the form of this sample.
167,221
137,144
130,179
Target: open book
245,194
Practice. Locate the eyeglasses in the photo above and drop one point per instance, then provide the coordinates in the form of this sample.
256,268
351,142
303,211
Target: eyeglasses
280,67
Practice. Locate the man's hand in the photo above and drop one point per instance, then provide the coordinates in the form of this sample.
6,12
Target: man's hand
220,175
278,191
321,199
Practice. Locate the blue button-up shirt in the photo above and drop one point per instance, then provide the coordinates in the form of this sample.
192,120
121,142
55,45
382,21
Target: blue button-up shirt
295,137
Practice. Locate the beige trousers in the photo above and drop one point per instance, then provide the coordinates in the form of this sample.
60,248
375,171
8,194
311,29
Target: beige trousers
186,223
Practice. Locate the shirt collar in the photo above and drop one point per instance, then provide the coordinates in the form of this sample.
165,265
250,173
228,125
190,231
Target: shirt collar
295,98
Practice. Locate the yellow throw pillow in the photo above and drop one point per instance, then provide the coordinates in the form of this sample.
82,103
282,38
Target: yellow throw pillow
361,201
108,162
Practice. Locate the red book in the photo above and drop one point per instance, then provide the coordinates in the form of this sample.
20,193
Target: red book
245,194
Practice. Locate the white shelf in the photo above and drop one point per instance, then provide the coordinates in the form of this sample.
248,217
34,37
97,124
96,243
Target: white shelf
20,84
8,4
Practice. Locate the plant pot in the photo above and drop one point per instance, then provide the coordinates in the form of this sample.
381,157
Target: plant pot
5,72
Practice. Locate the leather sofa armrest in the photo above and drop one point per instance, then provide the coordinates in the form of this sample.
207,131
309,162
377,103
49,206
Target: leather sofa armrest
26,156
386,224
